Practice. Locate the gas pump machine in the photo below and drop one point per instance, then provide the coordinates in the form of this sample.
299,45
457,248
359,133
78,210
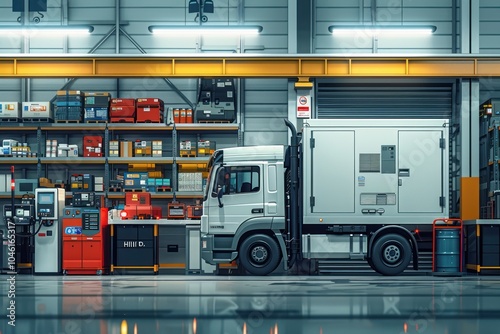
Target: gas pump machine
49,206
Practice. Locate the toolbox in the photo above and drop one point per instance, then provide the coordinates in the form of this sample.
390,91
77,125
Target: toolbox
176,210
92,146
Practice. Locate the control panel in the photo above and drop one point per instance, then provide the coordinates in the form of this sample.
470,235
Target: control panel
24,214
83,200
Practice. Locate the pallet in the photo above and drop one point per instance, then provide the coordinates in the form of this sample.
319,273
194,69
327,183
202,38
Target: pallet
141,190
38,120
123,120
96,121
215,121
115,190
149,121
163,189
10,120
68,121
185,155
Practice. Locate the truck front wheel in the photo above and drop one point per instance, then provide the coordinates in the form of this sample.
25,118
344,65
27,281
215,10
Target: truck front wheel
259,254
391,254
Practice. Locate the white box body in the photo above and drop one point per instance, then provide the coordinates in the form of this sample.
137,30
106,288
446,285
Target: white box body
37,110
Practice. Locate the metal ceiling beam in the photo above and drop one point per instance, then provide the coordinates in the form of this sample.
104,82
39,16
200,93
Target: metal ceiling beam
244,66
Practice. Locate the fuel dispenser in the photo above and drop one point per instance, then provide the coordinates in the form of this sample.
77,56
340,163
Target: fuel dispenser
49,207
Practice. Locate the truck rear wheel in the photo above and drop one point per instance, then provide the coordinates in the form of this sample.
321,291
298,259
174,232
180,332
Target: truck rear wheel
259,254
391,254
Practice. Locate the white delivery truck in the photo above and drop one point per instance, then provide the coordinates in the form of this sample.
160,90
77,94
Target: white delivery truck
343,189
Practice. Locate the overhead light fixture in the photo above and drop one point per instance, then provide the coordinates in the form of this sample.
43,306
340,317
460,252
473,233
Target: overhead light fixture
386,30
204,30
51,30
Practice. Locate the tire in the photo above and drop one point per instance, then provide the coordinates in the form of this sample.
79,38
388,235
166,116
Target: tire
259,254
391,254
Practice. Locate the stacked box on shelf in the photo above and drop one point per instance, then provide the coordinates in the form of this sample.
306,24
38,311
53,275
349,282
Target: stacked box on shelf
92,146
69,105
142,148
114,148
126,149
122,111
149,110
37,112
82,182
157,148
135,180
96,106
187,148
10,111
99,183
182,115
51,148
190,182
66,150
205,147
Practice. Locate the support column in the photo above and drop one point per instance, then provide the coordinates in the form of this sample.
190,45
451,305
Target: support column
469,116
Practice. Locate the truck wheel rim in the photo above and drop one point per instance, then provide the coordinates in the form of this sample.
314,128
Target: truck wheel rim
392,254
259,254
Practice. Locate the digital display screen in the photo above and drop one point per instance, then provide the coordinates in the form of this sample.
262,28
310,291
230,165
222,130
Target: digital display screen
47,198
25,186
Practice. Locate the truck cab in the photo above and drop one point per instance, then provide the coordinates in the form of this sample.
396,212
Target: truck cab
244,208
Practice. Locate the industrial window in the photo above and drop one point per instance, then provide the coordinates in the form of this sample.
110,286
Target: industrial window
236,180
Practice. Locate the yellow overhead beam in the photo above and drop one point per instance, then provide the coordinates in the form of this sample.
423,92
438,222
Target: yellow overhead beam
244,66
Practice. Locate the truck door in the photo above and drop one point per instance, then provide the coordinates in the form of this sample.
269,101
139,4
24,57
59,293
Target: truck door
420,173
242,198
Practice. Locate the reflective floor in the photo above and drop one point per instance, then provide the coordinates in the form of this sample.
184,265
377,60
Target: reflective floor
286,305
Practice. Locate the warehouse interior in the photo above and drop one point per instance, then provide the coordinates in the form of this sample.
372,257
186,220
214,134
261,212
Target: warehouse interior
249,166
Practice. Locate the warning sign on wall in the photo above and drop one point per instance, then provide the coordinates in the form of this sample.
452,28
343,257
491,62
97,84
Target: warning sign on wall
303,105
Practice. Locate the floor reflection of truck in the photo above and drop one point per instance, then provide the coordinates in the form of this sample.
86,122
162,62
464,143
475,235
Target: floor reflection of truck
344,189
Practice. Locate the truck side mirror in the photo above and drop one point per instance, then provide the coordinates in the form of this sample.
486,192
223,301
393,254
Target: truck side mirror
219,196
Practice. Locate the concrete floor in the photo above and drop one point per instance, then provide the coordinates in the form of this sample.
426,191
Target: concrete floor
219,304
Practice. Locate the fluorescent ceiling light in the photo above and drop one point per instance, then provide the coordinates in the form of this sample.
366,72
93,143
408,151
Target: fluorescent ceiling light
50,30
204,30
385,30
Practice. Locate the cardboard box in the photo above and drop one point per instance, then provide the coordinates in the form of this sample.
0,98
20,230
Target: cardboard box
126,149
68,92
206,147
114,148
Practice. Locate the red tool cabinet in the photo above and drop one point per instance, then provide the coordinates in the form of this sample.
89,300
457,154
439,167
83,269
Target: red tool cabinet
85,241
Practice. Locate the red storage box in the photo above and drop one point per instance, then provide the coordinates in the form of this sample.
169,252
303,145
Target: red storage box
137,198
122,119
123,102
150,102
122,111
92,146
149,115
